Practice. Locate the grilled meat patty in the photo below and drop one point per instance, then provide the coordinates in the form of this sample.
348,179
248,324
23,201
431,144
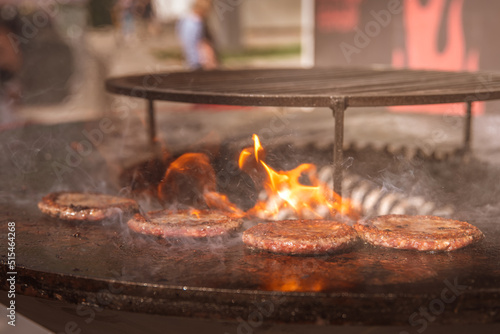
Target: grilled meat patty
424,233
301,236
85,206
184,223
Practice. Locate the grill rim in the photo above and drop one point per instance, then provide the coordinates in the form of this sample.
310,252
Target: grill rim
481,89
227,304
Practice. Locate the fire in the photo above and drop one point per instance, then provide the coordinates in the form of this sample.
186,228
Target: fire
286,195
294,284
195,212
220,201
186,180
190,181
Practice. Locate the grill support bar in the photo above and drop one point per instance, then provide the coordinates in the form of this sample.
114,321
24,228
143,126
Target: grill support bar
468,127
338,107
151,122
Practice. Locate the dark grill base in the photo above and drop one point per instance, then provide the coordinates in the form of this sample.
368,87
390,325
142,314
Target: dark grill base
106,266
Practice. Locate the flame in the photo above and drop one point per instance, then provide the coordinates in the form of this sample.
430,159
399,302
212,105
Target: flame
190,181
243,156
195,212
220,201
186,180
285,194
291,284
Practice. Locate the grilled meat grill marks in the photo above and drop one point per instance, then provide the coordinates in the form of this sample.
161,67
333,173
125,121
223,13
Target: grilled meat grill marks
423,233
302,237
184,223
76,206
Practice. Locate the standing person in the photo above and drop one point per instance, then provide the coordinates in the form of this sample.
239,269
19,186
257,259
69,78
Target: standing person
196,40
10,66
124,13
146,15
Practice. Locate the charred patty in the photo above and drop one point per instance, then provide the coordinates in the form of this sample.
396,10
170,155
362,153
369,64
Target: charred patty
301,236
184,223
85,206
424,233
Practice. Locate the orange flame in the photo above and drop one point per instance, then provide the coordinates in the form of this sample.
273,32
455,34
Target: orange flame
190,181
285,194
187,179
220,201
195,212
291,283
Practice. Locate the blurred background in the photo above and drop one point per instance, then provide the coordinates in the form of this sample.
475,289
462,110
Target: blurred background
55,54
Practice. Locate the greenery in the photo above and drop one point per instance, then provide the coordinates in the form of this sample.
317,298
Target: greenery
167,54
263,52
245,54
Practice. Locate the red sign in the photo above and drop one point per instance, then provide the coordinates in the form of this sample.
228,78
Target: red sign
448,35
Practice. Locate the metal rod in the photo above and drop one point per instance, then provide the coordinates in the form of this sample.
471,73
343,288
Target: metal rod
468,127
338,107
151,122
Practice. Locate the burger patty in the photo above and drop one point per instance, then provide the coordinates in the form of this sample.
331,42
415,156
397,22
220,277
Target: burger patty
85,206
301,236
184,223
424,233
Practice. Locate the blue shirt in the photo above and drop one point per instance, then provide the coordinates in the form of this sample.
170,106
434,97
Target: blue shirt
190,32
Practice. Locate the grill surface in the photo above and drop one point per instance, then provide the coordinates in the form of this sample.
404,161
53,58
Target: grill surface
311,87
105,265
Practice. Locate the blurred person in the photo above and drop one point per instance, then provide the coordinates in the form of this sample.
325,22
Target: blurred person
196,41
123,13
146,14
10,66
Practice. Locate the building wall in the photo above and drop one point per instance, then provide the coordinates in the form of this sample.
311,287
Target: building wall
450,35
265,14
